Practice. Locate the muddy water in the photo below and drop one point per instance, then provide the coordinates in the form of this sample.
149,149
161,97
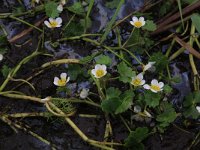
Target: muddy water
59,133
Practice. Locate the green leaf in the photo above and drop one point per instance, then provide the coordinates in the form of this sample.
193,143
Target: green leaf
112,92
196,21
110,105
86,23
77,8
5,70
73,71
190,1
149,26
135,138
103,59
161,61
126,101
74,29
167,89
112,4
51,9
125,72
176,79
168,115
152,99
191,112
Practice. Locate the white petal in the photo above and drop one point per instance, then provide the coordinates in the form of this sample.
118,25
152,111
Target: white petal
68,79
56,79
1,57
161,84
103,67
141,19
37,1
51,20
140,76
151,62
146,86
137,109
63,2
132,23
198,108
143,23
97,67
142,82
60,8
147,113
154,90
63,76
93,72
47,24
84,93
59,20
134,19
154,82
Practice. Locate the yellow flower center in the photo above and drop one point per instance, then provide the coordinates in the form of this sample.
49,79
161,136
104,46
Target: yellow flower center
155,88
62,82
138,24
53,24
136,82
99,73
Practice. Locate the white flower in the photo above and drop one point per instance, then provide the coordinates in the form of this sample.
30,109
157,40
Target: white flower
63,2
99,71
60,7
198,108
147,114
1,57
137,109
46,99
62,81
36,1
155,86
53,23
137,22
84,93
138,80
148,66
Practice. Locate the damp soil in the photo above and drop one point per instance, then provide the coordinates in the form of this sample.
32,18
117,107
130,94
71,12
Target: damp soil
60,134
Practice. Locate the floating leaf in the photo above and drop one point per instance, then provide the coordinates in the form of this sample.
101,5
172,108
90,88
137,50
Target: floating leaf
112,92
196,21
103,59
77,8
152,99
111,104
73,71
126,101
149,26
51,9
125,72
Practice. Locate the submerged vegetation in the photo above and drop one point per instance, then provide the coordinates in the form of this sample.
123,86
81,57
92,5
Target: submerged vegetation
138,68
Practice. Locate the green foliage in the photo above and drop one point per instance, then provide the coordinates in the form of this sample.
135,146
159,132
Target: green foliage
149,26
5,70
103,59
112,4
51,9
190,103
165,7
160,59
77,8
126,101
190,1
125,72
86,23
167,116
152,99
116,102
135,138
64,105
196,21
74,70
176,79
167,89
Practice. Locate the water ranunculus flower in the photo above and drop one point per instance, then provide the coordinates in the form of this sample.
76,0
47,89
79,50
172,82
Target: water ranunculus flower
155,86
137,22
198,108
62,81
99,71
138,80
84,93
148,66
36,1
60,7
53,23
137,109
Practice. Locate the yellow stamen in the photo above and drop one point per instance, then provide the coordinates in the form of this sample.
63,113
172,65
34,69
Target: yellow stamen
99,73
138,24
53,24
62,82
136,82
155,88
